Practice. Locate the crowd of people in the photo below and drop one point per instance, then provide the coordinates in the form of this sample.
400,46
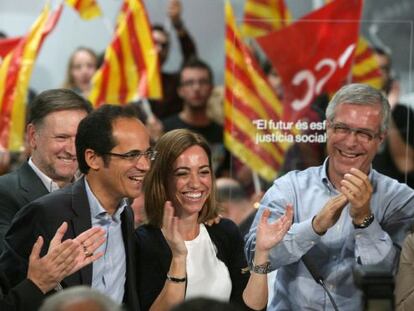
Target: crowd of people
125,208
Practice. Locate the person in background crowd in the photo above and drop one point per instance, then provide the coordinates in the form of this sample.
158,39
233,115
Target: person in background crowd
346,213
391,86
235,203
114,154
79,298
45,273
53,121
171,103
196,84
180,258
82,65
396,158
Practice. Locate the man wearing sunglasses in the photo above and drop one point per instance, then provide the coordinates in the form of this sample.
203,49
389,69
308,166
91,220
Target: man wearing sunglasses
345,212
114,154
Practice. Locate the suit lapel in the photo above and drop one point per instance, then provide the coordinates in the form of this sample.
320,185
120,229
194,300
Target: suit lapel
80,223
31,186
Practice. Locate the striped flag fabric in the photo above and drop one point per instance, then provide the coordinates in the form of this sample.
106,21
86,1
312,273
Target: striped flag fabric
15,73
131,69
250,107
87,9
365,68
264,16
7,45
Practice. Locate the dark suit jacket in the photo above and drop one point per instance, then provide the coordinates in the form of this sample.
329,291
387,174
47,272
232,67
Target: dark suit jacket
17,189
25,296
43,217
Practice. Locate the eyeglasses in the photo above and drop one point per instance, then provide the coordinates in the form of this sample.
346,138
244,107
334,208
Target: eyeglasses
362,135
191,83
134,156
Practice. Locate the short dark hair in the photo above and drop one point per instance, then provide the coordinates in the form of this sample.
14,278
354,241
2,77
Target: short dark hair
195,62
159,27
156,183
56,100
95,132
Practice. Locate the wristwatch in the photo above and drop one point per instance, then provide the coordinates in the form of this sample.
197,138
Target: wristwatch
261,269
365,223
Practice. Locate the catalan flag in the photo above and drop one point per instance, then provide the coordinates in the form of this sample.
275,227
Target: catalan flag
264,16
87,9
15,73
250,105
365,68
130,70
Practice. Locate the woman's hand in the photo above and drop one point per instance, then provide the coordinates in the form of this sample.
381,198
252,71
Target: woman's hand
269,234
171,233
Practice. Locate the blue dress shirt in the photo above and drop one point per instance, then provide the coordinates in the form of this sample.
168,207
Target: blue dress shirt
108,274
340,248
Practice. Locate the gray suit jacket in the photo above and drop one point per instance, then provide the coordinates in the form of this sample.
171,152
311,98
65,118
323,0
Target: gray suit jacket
17,189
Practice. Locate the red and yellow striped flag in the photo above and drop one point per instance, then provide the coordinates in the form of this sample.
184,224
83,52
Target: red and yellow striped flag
130,69
87,9
250,106
15,73
264,16
366,68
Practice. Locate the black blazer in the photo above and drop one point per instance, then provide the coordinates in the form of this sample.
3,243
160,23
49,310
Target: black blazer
154,258
17,189
43,217
25,296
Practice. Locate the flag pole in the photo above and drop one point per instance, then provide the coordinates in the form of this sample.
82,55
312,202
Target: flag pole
256,183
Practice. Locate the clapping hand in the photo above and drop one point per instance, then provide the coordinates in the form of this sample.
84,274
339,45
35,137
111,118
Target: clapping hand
270,234
170,231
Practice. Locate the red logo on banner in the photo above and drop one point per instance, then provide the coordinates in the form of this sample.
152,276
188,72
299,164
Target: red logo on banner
314,55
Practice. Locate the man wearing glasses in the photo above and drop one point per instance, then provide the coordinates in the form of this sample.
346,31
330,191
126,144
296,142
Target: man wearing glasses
113,152
345,212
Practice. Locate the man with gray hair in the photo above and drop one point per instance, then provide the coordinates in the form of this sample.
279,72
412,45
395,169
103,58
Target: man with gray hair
345,212
79,298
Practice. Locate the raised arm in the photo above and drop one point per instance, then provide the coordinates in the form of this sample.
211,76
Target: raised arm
268,235
173,291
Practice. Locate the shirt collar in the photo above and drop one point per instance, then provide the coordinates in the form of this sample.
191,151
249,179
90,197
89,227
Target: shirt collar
46,180
97,210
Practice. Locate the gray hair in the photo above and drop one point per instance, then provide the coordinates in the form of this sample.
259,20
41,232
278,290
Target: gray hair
360,94
76,294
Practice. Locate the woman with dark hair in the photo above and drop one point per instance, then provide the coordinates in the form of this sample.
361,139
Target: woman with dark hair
179,257
82,65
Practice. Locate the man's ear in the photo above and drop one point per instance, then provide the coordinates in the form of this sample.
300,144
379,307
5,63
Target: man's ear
31,135
94,161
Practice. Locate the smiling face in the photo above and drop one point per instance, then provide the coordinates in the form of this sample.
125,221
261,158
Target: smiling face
122,177
346,152
53,144
191,182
